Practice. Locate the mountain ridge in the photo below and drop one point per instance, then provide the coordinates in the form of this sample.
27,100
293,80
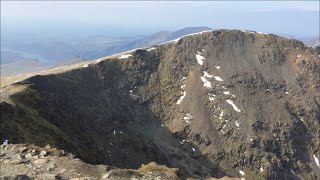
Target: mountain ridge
201,103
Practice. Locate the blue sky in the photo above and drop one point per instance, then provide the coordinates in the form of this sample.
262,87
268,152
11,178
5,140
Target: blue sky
298,18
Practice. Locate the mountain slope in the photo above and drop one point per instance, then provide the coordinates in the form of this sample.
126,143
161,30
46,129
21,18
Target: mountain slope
217,103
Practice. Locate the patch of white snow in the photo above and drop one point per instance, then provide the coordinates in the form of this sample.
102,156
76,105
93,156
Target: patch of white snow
217,78
124,56
237,124
226,92
98,60
206,83
183,93
316,160
233,105
241,172
261,169
199,58
150,49
206,74
221,114
211,97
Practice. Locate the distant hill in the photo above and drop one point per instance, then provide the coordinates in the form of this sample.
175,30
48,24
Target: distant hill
311,41
151,40
66,51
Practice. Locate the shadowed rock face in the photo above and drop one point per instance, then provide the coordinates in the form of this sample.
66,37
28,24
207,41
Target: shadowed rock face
218,103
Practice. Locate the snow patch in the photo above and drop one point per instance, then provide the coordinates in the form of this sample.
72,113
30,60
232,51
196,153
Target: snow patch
286,92
193,149
237,124
124,56
293,172
176,40
86,65
221,114
217,67
212,97
316,160
199,58
261,169
187,117
206,74
241,172
226,92
217,78
183,93
206,83
150,49
233,105
252,32
182,141
98,60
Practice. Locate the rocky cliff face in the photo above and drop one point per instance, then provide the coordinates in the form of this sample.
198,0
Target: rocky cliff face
218,103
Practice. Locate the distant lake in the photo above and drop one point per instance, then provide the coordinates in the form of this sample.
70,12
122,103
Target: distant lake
26,54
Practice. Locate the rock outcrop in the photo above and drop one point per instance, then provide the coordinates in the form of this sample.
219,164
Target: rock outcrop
21,161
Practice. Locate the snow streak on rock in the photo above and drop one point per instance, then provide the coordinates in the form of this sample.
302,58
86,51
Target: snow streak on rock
217,78
241,172
150,49
316,160
233,105
212,97
183,92
124,56
206,83
199,58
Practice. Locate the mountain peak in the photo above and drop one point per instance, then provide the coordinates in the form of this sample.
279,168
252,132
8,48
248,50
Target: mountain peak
213,104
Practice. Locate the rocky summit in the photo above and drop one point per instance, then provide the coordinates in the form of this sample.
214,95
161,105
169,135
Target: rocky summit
219,103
